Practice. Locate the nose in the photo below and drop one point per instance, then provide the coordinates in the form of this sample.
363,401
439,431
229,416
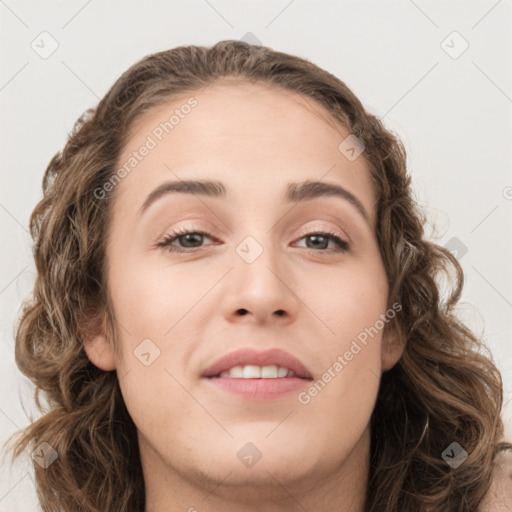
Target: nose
260,291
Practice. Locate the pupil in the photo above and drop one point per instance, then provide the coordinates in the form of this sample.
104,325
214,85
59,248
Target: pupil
189,237
316,238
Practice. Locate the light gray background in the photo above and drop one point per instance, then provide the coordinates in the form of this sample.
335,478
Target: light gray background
453,112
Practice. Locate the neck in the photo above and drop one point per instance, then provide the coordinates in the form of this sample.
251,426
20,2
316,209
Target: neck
170,489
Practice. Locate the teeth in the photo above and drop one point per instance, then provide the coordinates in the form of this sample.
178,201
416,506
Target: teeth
283,372
257,372
272,372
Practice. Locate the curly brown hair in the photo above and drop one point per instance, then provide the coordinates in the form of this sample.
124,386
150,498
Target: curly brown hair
444,388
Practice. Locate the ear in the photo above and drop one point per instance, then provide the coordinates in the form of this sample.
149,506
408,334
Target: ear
393,347
100,352
98,347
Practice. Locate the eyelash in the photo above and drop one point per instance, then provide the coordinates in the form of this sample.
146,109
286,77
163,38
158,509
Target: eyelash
343,245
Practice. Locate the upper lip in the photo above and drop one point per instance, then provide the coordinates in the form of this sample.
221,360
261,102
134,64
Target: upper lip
248,356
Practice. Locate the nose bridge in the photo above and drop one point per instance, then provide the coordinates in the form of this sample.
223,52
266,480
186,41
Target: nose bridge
257,242
258,261
260,285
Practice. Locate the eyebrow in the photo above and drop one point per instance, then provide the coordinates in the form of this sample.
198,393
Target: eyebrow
295,192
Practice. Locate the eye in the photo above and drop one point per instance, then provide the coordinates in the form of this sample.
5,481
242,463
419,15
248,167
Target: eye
191,239
320,241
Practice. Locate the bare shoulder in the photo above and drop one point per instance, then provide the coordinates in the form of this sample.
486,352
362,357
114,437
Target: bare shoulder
499,498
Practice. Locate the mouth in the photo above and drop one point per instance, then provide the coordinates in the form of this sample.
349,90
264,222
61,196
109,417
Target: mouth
251,371
258,375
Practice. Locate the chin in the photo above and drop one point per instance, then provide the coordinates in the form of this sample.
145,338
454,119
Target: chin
251,457
268,472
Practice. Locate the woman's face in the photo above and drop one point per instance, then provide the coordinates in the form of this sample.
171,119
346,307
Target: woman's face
265,278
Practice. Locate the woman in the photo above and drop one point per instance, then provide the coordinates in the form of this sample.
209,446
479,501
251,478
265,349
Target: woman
236,309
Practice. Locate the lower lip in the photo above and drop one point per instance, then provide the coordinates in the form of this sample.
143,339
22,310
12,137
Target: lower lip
260,389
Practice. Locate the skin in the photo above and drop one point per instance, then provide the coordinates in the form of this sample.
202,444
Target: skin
255,139
499,497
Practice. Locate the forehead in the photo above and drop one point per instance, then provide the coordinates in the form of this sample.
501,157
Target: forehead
245,134
240,103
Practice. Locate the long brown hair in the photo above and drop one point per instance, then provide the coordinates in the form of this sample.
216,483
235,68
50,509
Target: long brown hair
444,389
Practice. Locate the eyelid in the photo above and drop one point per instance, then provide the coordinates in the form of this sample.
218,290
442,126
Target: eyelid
303,231
322,229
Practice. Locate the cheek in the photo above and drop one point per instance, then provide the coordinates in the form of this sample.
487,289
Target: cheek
151,299
150,307
162,410
349,302
352,306
151,303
